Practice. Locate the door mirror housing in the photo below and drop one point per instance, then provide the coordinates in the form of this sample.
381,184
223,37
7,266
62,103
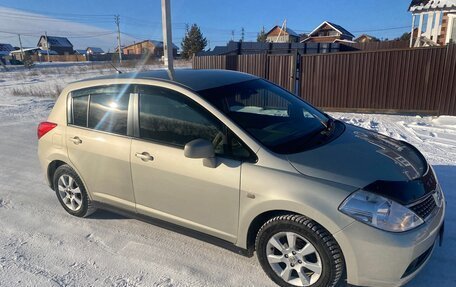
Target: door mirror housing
201,148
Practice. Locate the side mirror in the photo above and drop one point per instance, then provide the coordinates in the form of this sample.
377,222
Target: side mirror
201,148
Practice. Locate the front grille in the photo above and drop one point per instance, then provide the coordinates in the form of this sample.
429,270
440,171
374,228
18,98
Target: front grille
424,208
418,262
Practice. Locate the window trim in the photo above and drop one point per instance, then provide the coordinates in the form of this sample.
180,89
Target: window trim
70,115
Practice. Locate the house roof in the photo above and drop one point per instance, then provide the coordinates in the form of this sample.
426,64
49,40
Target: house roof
25,50
344,41
366,36
95,49
80,51
6,47
336,27
419,5
45,52
287,30
57,41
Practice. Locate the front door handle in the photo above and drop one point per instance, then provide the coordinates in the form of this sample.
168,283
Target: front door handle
76,140
144,156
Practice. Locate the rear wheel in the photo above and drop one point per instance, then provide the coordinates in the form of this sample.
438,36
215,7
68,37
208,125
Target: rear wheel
296,251
71,192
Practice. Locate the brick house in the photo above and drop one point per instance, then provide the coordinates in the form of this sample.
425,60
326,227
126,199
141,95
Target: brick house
147,47
436,22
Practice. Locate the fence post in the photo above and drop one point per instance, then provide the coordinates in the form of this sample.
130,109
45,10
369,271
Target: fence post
294,72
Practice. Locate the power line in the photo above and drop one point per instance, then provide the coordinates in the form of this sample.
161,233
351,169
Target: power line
15,16
383,29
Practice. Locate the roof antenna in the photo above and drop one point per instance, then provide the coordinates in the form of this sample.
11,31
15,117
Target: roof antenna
282,29
118,71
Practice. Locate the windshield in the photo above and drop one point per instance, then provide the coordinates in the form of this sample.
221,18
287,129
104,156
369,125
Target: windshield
273,116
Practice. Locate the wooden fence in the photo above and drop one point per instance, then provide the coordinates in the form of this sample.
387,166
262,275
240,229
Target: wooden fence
421,81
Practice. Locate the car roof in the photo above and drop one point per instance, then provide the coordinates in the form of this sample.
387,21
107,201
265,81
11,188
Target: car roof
196,80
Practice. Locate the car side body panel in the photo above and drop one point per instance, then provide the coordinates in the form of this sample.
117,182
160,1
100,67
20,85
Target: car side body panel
266,189
184,191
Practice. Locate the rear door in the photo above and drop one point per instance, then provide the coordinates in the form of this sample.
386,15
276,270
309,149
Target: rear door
99,145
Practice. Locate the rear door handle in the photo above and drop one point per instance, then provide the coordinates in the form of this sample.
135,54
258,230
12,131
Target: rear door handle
144,156
76,140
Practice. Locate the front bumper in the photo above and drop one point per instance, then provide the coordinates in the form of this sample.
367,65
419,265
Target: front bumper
379,258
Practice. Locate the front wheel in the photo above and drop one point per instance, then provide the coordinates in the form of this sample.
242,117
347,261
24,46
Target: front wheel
296,251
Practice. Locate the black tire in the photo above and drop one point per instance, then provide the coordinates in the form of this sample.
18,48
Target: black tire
332,261
86,207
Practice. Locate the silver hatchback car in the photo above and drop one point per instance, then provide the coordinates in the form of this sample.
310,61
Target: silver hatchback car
247,165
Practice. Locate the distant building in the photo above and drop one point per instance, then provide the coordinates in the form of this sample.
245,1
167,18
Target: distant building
5,50
436,22
282,35
147,47
364,38
328,32
61,45
18,54
80,51
94,51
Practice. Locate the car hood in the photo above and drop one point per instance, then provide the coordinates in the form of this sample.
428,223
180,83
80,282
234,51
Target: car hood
359,157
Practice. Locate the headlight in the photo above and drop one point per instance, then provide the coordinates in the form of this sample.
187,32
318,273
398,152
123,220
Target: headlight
380,212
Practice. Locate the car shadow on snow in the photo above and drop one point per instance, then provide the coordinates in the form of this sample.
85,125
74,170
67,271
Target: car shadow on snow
105,214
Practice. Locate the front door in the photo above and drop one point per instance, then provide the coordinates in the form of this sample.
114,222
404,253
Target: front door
172,187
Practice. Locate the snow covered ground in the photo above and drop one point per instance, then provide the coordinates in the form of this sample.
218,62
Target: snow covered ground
41,245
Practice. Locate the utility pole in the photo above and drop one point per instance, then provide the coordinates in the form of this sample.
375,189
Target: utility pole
232,35
242,34
22,50
47,45
117,20
167,37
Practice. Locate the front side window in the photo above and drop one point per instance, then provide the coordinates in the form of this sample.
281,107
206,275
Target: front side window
101,108
168,117
276,118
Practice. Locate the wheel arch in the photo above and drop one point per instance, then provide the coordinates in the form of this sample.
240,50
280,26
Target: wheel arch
257,223
52,167
254,217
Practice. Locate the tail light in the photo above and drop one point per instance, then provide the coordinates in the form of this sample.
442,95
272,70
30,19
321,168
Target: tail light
44,128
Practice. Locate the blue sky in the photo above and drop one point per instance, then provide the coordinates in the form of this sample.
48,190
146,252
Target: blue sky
141,19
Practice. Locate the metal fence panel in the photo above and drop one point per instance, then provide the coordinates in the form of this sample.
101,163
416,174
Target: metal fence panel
395,81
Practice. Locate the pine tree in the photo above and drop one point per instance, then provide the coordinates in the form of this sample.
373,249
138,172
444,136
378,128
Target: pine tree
193,42
261,37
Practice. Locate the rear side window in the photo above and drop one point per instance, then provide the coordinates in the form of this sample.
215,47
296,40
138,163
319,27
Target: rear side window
108,112
101,108
80,106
